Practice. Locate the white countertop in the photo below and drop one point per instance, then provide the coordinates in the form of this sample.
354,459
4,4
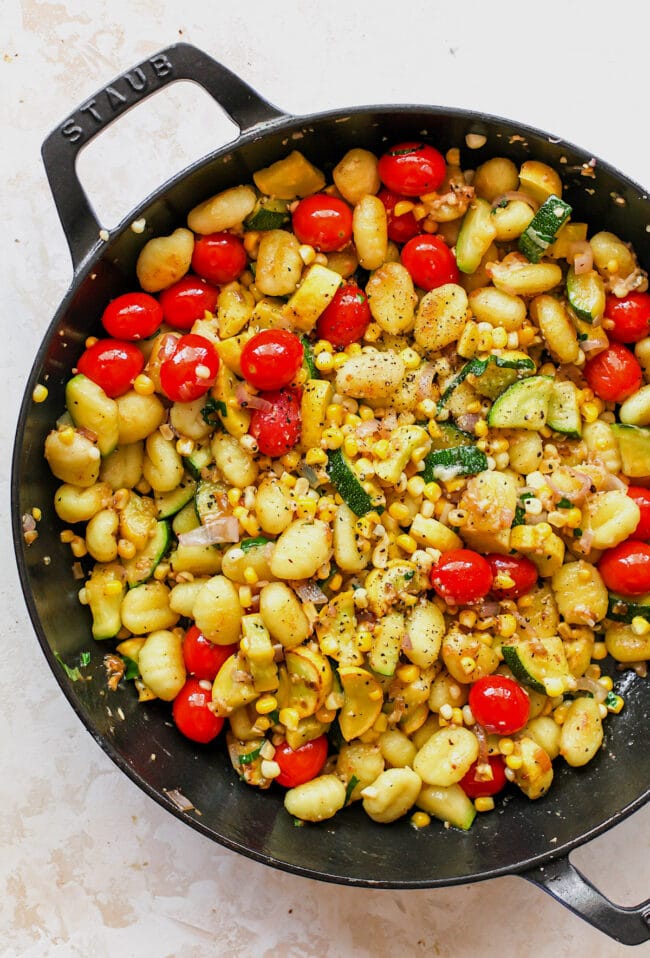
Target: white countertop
89,865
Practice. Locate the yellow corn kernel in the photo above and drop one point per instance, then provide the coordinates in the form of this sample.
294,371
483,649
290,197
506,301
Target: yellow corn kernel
514,762
481,429
251,526
262,724
640,626
78,547
289,717
380,724
352,420
315,457
467,618
484,803
590,412
366,413
350,447
234,495
457,716
381,449
39,393
143,385
126,549
499,338
506,625
526,335
606,682
241,513
329,645
419,819
426,409
372,333
399,512
415,486
306,507
506,746
336,582
66,536
432,491
340,359
161,571
410,358
560,714
245,596
266,704
364,640
407,543
335,413
307,254
615,703
599,651
113,587
67,435
408,673
323,346
369,737
250,575
375,694
291,460
455,485
333,438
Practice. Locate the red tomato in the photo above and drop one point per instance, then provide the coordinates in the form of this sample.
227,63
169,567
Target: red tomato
499,704
219,257
132,316
111,364
277,429
191,369
400,228
203,658
521,570
614,374
347,316
642,498
302,764
412,169
630,315
461,576
191,713
626,568
476,788
323,221
429,261
187,300
271,358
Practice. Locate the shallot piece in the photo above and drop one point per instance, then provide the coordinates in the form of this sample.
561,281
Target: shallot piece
250,400
220,529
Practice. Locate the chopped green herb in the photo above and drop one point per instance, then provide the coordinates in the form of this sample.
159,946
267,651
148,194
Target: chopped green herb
577,533
246,544
352,784
131,670
520,517
527,495
73,673
408,575
210,410
84,659
249,757
298,822
564,504
308,359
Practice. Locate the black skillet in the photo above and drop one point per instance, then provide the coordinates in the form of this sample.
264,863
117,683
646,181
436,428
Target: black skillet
531,839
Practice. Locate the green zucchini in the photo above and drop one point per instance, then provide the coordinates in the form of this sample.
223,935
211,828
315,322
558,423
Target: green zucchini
524,405
476,234
208,500
564,410
186,519
247,544
451,436
621,608
456,461
142,566
169,503
343,478
269,214
542,230
308,359
493,374
533,661
199,460
634,444
447,803
586,294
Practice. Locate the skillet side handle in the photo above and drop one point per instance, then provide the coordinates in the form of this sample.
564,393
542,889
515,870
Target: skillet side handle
61,148
630,926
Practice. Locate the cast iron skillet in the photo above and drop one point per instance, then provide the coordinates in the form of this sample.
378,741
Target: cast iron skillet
532,839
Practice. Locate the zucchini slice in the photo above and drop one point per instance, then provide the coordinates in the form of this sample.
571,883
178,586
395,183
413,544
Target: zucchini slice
586,294
169,503
208,500
199,460
343,478
535,661
493,374
142,566
475,236
542,230
564,410
620,608
634,443
308,359
456,461
269,214
451,436
524,405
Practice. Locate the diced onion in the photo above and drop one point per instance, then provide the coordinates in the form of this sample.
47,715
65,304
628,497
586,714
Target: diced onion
248,400
583,257
513,195
586,684
221,529
310,592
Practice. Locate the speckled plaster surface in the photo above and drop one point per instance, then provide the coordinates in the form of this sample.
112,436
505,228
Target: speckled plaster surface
89,865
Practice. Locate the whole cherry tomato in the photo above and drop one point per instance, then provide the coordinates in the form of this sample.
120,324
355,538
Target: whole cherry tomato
271,358
132,316
187,300
191,369
477,788
203,658
461,576
614,374
400,228
429,261
346,318
219,257
642,498
499,704
626,568
412,169
302,764
630,315
111,364
323,221
277,429
519,569
191,713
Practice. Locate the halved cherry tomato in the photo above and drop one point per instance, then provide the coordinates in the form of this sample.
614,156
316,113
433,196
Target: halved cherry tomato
132,316
191,713
642,498
277,429
630,315
614,374
111,364
187,300
219,257
429,261
347,316
323,221
499,704
461,576
476,788
191,369
626,568
302,764
400,228
271,358
203,658
412,168
519,569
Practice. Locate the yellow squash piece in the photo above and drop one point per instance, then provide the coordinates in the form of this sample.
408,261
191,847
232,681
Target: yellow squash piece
257,648
310,680
337,630
233,686
362,701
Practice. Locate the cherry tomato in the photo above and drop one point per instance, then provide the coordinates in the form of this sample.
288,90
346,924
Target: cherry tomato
322,221
400,228
476,788
302,764
499,704
642,498
191,713
111,364
630,315
219,257
132,316
626,567
277,429
271,358
191,369
203,658
347,316
522,571
614,374
461,576
429,261
187,300
412,169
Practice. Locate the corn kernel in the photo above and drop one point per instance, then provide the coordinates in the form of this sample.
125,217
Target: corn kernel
375,695
340,359
560,714
336,582
507,625
481,429
333,438
307,254
335,414
457,716
67,535
410,358
143,385
599,651
467,618
484,803
606,682
419,819
329,645
266,704
350,447
364,640
615,703
324,361
67,435
250,575
39,393
290,718
525,336
262,724
514,762
554,686
408,673
407,543
432,491
125,549
114,587
78,547
640,626
234,495
506,746
499,338
380,724
381,449
315,457
446,711
399,512
590,412
245,596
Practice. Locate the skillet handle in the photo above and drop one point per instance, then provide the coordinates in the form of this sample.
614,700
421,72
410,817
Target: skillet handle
630,926
61,148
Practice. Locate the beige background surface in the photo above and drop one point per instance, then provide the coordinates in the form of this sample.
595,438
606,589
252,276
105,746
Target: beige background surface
90,866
